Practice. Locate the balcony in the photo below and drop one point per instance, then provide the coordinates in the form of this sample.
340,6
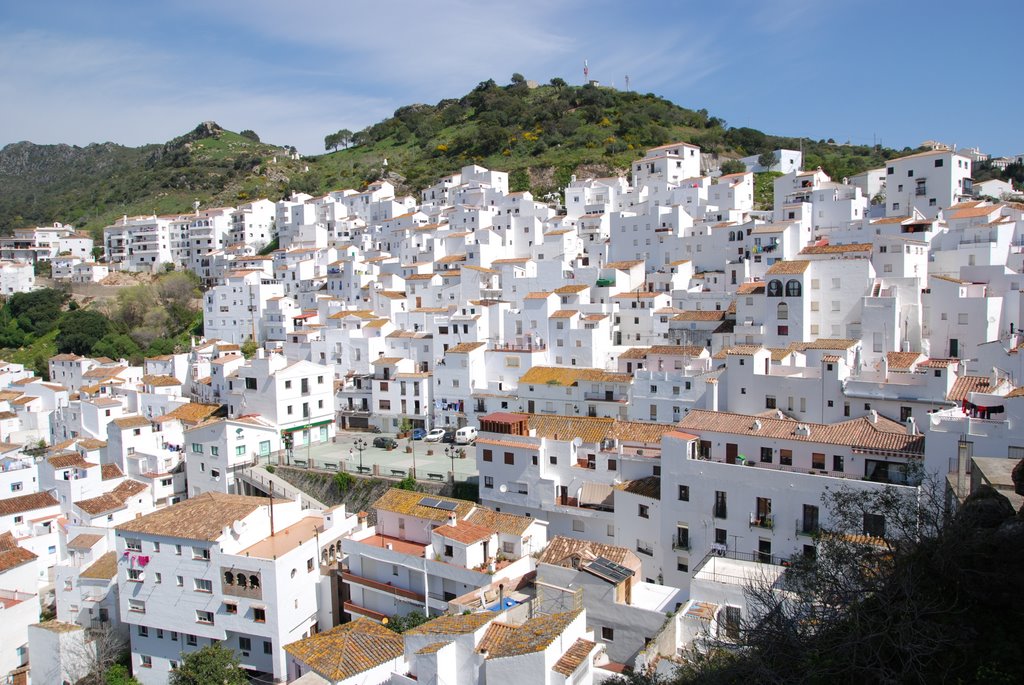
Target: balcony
806,528
766,521
387,588
739,568
681,544
605,397
920,190
357,611
518,347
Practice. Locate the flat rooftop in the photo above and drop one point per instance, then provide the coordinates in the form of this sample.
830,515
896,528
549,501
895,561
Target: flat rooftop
654,597
383,541
284,541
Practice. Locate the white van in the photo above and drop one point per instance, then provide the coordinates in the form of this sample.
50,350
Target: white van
465,435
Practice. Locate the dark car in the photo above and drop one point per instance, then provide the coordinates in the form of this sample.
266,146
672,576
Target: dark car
418,434
385,443
449,436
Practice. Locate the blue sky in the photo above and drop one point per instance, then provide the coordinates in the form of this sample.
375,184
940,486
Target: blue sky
899,71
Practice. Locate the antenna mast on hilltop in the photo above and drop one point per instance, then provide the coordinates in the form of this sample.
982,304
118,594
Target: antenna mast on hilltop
586,72
627,83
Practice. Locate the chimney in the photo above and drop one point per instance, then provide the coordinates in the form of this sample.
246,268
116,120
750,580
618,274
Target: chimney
453,520
873,416
757,425
911,426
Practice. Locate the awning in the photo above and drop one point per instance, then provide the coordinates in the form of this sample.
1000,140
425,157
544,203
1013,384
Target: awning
596,494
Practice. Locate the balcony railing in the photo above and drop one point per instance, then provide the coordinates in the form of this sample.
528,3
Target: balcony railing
683,545
522,347
920,190
604,397
762,521
806,529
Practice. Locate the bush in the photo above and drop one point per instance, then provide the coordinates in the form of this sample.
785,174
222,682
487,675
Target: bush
271,468
407,483
80,330
343,481
733,166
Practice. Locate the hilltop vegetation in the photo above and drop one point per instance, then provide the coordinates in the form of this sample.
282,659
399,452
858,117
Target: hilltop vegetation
541,135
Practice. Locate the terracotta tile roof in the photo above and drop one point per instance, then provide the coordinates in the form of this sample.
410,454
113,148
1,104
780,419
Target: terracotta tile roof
684,350
23,503
564,314
533,636
706,315
573,657
795,266
826,344
465,532
902,360
935,363
568,375
886,435
67,460
540,295
190,413
160,381
11,555
511,260
588,429
837,249
571,289
974,212
408,502
386,360
102,372
750,289
91,443
950,279
508,524
132,422
463,348
103,568
638,295
347,650
649,487
451,259
635,353
111,471
84,541
459,624
561,549
639,431
432,647
203,517
628,264
968,384
115,499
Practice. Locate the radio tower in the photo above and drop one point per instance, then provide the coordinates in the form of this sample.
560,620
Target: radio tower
627,83
586,72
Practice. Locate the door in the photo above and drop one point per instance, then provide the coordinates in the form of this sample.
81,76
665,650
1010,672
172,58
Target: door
764,551
954,348
731,451
529,406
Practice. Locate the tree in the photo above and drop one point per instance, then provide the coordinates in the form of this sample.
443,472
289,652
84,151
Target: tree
119,675
766,160
342,138
400,624
249,348
558,83
116,346
733,166
80,330
250,134
214,663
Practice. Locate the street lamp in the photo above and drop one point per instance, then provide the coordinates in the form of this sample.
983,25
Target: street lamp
360,445
451,452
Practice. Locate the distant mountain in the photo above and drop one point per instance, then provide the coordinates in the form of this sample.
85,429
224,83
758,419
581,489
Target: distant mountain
541,135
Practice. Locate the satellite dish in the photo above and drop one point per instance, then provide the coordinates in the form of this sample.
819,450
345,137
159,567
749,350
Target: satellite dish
577,441
503,488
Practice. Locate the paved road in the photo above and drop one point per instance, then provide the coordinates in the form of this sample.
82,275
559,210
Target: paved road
343,456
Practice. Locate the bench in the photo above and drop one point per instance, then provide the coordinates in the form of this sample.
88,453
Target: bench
363,469
397,472
300,462
435,476
330,465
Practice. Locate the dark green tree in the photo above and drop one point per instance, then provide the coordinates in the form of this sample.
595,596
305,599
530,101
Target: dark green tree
250,134
766,159
80,330
213,663
400,624
733,166
116,346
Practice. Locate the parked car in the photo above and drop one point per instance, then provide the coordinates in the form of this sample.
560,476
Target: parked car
435,435
449,436
385,443
418,433
465,435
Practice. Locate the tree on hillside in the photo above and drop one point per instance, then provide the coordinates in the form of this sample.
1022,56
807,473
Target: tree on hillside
37,312
214,663
733,166
766,160
250,134
342,138
116,346
80,330
558,83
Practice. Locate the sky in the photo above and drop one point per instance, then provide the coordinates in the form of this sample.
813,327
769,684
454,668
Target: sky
897,72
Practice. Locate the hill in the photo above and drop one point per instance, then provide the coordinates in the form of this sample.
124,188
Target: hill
541,135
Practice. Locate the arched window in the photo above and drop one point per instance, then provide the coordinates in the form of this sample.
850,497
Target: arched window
241,580
229,578
254,581
792,288
732,236
774,288
782,311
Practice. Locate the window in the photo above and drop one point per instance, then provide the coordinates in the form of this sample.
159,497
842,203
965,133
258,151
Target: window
204,616
818,461
244,644
135,575
607,634
197,448
837,462
553,460
534,459
643,511
449,551
133,544
613,464
684,493
214,450
682,540
202,585
159,633
230,608
766,455
177,550
769,402
215,474
961,318
488,481
259,615
191,640
200,554
488,455
136,606
786,457
510,458
145,661
143,631
874,525
683,564
809,522
250,383
268,647
179,581
577,526
240,451
721,510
